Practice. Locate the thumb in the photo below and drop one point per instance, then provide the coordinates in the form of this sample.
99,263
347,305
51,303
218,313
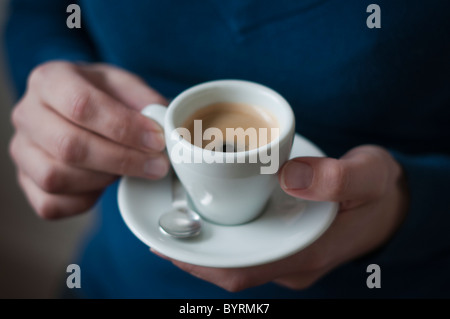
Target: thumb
361,174
124,86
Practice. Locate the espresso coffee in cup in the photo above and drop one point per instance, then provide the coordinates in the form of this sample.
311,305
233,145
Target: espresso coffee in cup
231,127
227,187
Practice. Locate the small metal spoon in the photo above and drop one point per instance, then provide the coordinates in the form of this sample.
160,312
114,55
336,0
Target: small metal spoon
181,221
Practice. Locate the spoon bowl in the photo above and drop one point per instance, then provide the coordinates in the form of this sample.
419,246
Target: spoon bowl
180,223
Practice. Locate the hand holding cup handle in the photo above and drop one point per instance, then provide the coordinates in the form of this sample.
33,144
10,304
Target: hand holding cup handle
93,133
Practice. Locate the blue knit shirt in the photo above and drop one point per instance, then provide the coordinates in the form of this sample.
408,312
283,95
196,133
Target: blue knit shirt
348,85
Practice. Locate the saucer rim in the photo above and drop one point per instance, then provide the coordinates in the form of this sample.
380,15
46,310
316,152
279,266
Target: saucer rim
175,253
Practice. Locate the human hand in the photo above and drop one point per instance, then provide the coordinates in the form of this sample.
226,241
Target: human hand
77,128
368,185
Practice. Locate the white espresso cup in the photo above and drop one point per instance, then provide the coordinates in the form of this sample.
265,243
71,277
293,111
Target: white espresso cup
227,188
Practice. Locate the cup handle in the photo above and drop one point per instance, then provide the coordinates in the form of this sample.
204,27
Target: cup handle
155,112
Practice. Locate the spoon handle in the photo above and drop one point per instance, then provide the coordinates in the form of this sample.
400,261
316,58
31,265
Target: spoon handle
179,196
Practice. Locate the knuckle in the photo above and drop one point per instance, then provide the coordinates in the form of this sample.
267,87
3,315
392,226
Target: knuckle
80,110
336,177
41,72
50,180
17,115
49,206
389,170
47,209
103,67
121,130
12,148
38,73
375,157
125,161
69,149
235,283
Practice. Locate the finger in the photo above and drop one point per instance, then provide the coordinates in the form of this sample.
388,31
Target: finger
298,271
53,176
75,146
50,206
301,280
361,174
231,279
123,86
63,88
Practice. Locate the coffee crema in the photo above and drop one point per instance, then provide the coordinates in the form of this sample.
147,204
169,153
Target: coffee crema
231,127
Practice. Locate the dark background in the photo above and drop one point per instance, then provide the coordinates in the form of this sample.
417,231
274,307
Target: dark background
34,253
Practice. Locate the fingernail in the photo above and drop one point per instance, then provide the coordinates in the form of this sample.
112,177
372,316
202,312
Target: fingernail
156,167
297,175
154,140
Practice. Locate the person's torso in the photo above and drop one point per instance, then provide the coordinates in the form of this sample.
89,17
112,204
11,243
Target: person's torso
348,84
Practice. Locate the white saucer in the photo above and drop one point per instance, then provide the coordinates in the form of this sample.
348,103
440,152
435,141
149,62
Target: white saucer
287,225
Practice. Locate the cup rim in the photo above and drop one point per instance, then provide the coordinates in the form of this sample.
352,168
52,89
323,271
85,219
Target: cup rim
285,131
